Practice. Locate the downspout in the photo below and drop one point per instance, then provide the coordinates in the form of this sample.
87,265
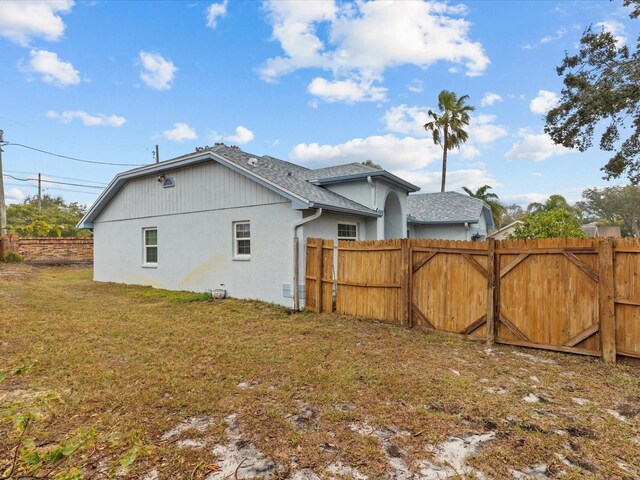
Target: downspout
373,192
466,225
296,256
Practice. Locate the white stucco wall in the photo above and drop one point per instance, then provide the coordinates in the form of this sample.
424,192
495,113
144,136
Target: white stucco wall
195,252
360,191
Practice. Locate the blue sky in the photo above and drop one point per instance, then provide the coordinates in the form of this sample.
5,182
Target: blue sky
317,83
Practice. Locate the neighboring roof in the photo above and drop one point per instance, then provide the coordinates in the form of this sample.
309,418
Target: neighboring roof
590,230
593,230
285,178
609,232
505,228
446,207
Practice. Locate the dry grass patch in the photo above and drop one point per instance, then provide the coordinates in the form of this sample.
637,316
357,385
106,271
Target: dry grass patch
114,380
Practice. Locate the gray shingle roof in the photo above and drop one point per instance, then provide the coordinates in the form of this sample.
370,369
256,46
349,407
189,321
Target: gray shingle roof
290,177
339,171
444,207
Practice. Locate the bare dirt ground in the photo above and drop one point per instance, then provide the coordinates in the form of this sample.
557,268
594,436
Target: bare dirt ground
102,381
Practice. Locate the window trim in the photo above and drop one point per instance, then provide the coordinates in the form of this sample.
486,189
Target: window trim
236,255
145,263
349,239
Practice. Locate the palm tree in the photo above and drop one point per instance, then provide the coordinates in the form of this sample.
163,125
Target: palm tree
447,126
491,199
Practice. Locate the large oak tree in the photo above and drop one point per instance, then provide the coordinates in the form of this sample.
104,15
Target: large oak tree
601,97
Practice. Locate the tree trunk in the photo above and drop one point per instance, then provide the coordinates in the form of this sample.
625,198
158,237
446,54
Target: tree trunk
444,158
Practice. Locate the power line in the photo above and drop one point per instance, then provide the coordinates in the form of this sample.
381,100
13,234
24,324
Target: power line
57,176
72,158
28,185
52,181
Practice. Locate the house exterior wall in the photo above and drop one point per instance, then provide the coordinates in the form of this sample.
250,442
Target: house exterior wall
360,191
206,186
454,231
502,234
194,220
195,252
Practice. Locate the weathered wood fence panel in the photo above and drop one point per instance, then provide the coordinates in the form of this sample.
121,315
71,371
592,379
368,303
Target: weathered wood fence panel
571,295
549,294
449,286
319,275
369,280
627,296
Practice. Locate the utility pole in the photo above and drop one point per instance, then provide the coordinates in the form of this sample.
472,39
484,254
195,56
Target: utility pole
3,207
39,192
157,154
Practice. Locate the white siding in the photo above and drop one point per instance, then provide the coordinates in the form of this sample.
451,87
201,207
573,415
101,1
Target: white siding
208,186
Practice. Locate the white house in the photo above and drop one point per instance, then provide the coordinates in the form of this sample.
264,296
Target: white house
504,232
224,218
448,215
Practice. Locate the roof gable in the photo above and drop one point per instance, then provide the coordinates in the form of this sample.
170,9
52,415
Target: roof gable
282,177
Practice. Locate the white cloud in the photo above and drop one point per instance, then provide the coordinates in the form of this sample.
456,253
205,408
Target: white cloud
410,121
157,72
526,198
357,46
561,32
14,195
489,99
483,130
534,146
243,135
180,132
416,86
552,38
51,69
88,120
21,21
407,120
456,179
544,102
215,11
615,28
391,151
348,91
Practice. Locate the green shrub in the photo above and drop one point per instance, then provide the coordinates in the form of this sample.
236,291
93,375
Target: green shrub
12,257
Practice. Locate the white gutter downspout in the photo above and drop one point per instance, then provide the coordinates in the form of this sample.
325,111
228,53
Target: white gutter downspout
296,257
373,192
466,225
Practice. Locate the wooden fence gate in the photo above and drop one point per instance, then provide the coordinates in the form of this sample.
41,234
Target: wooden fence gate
570,295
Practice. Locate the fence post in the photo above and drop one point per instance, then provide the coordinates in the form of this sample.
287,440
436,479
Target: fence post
405,282
606,303
491,291
319,258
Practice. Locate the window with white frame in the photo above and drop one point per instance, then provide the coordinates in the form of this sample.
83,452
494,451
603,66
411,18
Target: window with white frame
242,240
347,231
150,241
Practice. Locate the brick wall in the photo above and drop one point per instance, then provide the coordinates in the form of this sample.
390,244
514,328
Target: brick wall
51,250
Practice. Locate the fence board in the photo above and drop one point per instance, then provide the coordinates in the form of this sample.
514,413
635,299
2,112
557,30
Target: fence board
627,295
553,294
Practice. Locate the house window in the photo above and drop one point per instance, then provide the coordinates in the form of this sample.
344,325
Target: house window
150,240
347,231
242,240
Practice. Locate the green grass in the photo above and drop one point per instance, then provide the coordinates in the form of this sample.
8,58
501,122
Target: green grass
98,372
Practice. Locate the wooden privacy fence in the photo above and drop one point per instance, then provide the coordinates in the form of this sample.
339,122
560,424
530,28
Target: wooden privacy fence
570,295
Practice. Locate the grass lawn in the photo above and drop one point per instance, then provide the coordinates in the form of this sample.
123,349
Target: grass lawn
103,380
